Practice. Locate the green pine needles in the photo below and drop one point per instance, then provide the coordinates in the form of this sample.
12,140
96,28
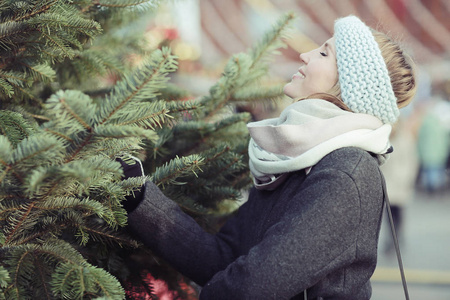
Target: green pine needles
244,70
62,181
217,126
14,126
61,188
40,39
33,36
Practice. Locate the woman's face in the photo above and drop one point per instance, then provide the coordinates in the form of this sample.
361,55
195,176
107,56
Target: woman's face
317,74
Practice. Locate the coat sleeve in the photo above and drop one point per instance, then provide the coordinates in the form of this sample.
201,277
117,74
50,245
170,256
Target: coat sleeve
317,236
173,235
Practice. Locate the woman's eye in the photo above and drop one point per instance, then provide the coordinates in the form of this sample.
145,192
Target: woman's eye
323,54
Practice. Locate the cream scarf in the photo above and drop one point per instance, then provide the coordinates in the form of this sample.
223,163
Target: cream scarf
304,133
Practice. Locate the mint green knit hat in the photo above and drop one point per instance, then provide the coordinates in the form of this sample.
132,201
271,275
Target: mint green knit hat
363,76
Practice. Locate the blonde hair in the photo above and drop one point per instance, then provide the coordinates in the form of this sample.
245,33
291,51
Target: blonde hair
401,70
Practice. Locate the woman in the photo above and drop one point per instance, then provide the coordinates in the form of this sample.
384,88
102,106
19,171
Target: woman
310,226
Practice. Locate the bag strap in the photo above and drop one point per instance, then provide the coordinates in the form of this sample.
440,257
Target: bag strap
394,236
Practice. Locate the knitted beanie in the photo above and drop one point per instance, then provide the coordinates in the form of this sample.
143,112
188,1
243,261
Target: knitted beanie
363,76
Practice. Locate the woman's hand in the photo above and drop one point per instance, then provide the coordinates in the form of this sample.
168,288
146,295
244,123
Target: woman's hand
134,170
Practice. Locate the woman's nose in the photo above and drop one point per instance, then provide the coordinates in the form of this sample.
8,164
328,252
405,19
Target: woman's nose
303,57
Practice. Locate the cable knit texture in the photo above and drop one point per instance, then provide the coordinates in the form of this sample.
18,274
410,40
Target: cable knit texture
363,76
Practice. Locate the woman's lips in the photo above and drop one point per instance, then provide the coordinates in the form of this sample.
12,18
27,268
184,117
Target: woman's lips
298,75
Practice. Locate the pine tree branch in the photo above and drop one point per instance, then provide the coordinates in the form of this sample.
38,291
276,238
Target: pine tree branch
8,30
10,77
161,66
54,250
39,117
156,116
6,88
33,237
15,128
111,237
176,168
217,155
240,179
62,203
78,150
63,48
5,279
98,232
44,284
5,172
17,226
212,129
226,155
37,12
68,282
92,63
52,57
4,212
99,3
243,69
226,167
83,126
27,213
271,39
15,288
250,95
74,115
59,134
26,151
176,107
125,5
30,96
40,71
89,28
146,115
29,148
113,220
19,127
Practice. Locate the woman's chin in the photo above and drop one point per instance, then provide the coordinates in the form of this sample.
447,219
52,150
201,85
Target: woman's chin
287,91
290,94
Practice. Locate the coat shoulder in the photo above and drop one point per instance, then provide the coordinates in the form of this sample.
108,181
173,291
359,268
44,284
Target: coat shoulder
350,160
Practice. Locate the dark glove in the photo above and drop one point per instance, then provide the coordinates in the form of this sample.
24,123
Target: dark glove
135,170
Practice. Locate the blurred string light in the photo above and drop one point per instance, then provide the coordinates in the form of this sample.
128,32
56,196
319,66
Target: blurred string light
153,38
186,51
176,26
169,36
262,5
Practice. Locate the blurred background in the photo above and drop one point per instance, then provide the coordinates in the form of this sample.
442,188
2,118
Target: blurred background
205,33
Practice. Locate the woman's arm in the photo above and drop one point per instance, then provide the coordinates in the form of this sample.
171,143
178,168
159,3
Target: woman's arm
173,235
316,237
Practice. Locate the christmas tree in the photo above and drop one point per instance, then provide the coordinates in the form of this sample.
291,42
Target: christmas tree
61,192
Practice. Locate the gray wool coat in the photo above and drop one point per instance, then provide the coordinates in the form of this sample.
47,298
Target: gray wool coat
317,232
